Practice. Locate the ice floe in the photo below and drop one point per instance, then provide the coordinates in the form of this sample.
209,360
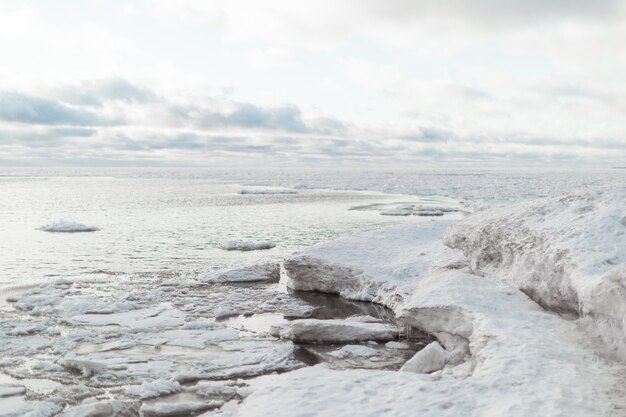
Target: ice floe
265,272
63,226
153,389
108,408
348,351
243,246
337,331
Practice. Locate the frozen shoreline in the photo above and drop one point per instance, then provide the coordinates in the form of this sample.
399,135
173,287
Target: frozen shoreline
475,284
506,355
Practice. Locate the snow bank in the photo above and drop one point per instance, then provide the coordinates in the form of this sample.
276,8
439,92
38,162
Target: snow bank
379,266
266,272
504,355
566,253
247,246
63,226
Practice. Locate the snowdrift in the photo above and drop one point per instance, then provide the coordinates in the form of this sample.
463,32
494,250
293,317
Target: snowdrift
483,297
567,253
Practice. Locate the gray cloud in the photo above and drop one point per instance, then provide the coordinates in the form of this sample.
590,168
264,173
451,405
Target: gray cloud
96,93
496,12
23,108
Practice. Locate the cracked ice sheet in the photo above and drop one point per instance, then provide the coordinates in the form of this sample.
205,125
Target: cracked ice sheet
159,316
245,359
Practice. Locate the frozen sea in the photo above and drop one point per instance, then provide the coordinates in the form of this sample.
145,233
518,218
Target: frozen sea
121,312
166,223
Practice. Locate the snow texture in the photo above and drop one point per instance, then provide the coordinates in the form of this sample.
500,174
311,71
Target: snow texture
567,253
63,226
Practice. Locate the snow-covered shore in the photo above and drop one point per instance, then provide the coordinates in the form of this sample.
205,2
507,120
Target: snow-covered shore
506,355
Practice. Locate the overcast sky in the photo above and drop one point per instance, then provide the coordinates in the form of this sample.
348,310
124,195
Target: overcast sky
313,83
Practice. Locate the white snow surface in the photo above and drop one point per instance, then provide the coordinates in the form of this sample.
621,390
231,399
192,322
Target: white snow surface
504,354
244,246
379,266
63,226
567,253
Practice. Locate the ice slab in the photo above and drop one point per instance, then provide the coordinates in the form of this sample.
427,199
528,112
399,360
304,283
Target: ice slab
159,316
265,272
63,226
337,331
239,245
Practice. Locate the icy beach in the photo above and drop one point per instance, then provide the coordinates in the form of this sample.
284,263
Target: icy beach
509,308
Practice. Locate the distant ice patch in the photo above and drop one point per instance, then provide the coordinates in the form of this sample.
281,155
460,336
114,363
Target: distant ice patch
266,272
353,350
267,190
248,246
63,226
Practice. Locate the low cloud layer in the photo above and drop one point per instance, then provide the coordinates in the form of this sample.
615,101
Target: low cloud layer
375,82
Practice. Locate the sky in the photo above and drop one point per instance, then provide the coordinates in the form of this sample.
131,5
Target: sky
341,83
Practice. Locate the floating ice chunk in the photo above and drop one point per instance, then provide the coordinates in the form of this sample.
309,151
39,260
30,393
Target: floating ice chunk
247,246
428,213
167,409
110,408
353,350
338,331
11,390
432,358
23,345
85,367
266,272
398,211
63,226
197,339
397,345
245,359
153,389
267,190
159,316
18,407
